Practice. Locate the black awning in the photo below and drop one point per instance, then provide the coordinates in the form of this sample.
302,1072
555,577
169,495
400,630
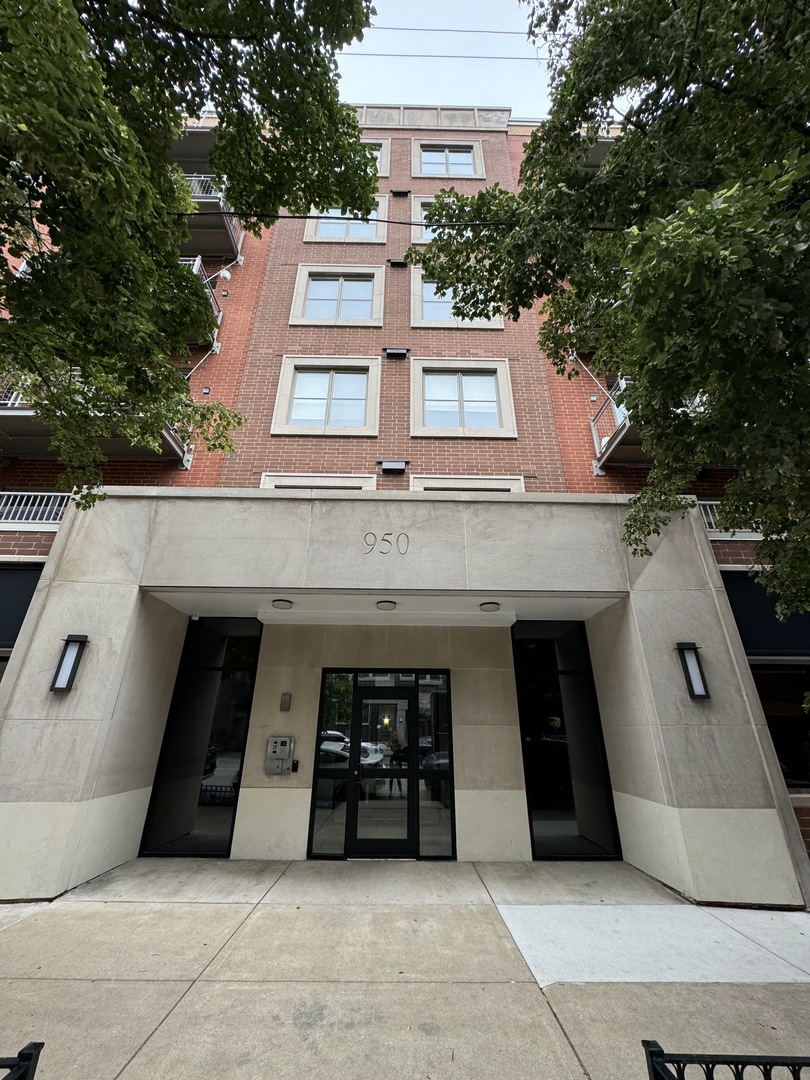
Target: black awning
17,584
761,632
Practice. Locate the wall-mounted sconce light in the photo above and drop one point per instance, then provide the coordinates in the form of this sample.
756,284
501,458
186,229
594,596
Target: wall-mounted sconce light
393,466
386,605
692,669
490,605
397,263
396,354
282,605
400,193
69,663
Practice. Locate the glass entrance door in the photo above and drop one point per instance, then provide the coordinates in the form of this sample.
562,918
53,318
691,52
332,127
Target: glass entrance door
383,769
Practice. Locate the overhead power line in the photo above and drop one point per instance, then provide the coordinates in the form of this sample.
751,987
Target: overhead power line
444,56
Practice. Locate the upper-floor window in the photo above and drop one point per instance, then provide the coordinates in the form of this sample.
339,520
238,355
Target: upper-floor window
461,398
420,233
327,396
382,154
448,159
334,226
428,309
338,296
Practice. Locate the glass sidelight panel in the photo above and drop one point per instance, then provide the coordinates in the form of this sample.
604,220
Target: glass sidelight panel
200,765
567,783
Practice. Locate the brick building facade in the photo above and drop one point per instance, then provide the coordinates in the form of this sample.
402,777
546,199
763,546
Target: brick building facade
410,569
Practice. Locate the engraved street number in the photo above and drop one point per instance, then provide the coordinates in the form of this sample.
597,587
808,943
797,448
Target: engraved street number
386,543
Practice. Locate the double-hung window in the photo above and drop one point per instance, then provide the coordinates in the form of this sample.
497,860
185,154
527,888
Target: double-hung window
461,398
420,233
332,226
338,296
382,154
448,159
428,309
327,396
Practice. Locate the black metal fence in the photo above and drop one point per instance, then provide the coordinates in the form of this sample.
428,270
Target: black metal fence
24,1065
665,1066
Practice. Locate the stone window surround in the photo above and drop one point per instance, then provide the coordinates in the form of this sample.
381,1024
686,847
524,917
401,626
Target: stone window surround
417,231
499,367
442,144
419,321
429,482
316,481
372,365
380,237
308,270
384,168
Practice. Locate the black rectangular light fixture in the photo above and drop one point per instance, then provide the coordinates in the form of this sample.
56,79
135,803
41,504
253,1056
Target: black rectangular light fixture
693,670
400,193
68,663
393,466
397,354
398,263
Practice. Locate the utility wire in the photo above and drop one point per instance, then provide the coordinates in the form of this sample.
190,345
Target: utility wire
444,56
333,217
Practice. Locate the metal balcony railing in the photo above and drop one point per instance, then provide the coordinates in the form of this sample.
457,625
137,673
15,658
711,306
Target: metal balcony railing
614,436
203,187
709,510
10,398
196,266
207,117
32,509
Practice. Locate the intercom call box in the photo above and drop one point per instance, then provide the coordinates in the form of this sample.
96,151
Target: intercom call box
279,755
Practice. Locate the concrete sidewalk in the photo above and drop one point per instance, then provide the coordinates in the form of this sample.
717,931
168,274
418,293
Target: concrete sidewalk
191,968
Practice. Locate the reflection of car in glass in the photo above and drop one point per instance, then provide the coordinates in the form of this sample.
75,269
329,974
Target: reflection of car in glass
210,766
333,740
439,787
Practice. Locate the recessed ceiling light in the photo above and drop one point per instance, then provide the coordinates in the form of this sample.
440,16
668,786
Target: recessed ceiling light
283,605
386,605
490,605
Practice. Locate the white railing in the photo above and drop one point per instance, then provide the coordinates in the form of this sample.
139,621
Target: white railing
710,510
610,419
32,510
203,187
196,266
10,398
207,118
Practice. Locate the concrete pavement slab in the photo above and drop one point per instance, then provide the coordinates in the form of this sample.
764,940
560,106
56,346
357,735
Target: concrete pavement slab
572,883
90,1029
607,1023
118,941
785,933
11,913
357,1031
379,881
626,943
209,881
425,943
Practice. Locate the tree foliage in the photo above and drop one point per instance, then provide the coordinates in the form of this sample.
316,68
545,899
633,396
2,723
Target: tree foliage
679,259
92,93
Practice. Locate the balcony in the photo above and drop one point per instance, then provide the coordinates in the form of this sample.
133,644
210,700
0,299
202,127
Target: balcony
615,437
217,232
709,510
24,435
32,511
196,266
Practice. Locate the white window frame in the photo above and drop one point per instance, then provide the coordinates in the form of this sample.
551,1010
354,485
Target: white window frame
467,483
449,144
310,270
419,321
418,231
499,367
280,424
319,481
380,235
384,168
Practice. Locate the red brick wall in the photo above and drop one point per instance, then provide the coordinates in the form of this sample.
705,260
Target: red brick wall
535,454
734,552
26,543
803,817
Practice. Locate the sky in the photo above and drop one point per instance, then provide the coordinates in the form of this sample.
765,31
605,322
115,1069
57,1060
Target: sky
515,79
